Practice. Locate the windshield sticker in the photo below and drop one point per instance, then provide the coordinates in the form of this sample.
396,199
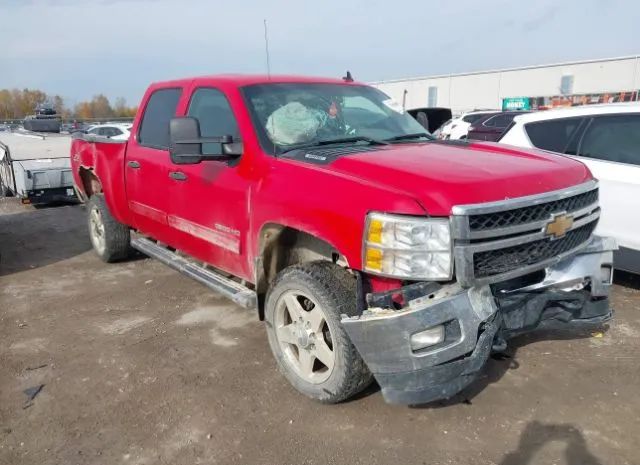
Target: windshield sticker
393,105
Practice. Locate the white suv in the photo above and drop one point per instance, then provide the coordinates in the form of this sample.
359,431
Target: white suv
606,138
458,127
116,131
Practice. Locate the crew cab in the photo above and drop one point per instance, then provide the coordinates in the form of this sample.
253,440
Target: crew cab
367,247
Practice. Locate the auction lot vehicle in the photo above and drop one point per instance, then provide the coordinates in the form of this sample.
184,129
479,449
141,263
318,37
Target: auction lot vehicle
606,138
36,167
45,119
490,127
369,248
117,131
458,127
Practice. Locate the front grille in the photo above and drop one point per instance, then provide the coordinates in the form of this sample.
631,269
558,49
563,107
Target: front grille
493,262
518,216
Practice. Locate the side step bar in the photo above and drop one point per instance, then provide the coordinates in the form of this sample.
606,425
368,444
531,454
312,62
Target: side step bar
229,288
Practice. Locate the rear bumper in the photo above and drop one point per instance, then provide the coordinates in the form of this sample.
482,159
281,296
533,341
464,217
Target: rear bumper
573,292
51,195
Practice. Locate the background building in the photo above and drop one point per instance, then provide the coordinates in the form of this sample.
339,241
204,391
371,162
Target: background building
560,84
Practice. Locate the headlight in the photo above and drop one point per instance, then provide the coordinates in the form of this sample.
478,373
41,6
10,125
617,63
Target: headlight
408,247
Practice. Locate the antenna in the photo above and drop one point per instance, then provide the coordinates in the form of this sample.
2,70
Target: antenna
266,48
348,77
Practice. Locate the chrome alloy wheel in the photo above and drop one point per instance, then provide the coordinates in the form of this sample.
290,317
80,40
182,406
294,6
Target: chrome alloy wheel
96,230
304,336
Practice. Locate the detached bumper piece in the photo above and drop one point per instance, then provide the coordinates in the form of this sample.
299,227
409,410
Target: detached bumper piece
50,195
438,343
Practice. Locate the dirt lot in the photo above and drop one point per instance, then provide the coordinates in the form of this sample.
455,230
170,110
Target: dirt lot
140,365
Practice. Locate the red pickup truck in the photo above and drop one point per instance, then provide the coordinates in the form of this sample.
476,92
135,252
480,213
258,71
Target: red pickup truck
369,249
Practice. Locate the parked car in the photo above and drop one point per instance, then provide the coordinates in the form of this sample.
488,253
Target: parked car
458,127
606,138
491,126
116,131
370,248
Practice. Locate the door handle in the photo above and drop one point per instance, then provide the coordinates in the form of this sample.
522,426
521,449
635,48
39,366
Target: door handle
133,164
178,175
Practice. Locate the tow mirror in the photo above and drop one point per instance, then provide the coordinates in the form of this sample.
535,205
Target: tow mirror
186,144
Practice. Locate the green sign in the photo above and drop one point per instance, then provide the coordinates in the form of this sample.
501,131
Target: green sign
515,103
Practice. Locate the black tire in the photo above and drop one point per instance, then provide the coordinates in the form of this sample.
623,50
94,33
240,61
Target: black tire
334,289
116,237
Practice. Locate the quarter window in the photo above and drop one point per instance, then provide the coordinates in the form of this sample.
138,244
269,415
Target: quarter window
161,107
553,135
613,138
212,110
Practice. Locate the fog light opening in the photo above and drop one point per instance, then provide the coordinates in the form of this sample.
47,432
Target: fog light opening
427,338
606,274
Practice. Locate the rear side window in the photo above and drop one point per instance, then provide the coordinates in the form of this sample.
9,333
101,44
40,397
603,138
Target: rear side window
499,121
154,129
212,110
613,138
472,118
553,135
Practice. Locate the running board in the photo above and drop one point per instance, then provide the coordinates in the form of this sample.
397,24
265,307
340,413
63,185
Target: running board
229,288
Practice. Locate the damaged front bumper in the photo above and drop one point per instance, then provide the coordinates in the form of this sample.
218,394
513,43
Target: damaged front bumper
472,321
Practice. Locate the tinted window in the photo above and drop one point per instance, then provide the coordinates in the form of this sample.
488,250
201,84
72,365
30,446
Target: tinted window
212,109
473,118
554,134
613,138
154,129
499,121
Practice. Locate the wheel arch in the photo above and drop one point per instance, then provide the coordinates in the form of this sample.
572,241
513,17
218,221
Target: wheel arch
280,246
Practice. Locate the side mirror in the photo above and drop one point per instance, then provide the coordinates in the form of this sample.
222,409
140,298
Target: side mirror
185,143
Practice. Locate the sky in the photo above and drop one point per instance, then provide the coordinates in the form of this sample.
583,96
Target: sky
79,48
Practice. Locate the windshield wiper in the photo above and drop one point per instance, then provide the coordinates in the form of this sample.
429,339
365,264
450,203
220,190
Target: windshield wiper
410,136
344,140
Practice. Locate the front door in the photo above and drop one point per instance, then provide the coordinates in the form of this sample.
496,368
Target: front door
209,200
147,166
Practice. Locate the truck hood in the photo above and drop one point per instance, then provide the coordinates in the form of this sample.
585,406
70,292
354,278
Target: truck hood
442,175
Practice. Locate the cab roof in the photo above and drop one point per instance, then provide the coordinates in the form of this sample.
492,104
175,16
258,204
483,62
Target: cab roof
241,80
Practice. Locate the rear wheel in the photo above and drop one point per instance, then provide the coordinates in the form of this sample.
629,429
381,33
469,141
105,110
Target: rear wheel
110,239
303,312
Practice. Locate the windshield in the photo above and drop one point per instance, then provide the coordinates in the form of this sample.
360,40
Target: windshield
301,114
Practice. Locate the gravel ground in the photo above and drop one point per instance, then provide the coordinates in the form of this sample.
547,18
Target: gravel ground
140,365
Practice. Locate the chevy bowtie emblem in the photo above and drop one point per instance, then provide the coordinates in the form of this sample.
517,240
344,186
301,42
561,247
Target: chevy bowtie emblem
559,225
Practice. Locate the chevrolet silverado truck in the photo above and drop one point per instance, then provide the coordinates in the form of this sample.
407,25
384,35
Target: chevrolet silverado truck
370,249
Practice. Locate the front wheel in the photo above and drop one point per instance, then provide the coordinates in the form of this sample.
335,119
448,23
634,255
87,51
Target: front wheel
110,239
303,312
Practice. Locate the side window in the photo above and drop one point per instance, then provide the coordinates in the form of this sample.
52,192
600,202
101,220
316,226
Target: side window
499,121
613,138
472,118
553,135
161,107
115,132
491,122
212,109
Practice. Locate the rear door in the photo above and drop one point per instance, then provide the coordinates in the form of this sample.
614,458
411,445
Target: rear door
610,147
209,200
148,163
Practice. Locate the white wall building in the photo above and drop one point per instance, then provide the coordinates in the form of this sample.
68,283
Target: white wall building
607,78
